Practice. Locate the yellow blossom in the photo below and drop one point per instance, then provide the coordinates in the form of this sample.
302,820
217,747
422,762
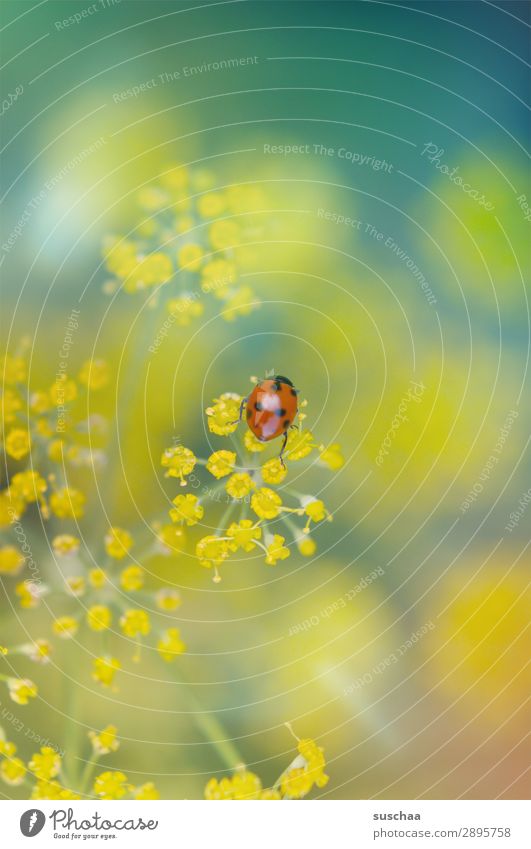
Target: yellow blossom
111,785
118,542
104,669
52,790
29,593
167,599
187,509
13,771
316,512
65,544
39,651
11,560
11,404
300,443
273,471
55,450
11,508
221,463
63,390
97,577
45,764
246,785
332,457
179,461
146,791
212,551
7,749
306,546
253,444
185,308
239,485
315,761
215,789
240,301
135,622
94,374
210,205
12,370
170,645
17,443
99,617
76,585
68,503
172,537
296,783
243,535
266,503
190,256
224,414
132,578
270,794
276,550
217,276
28,486
21,690
105,741
65,627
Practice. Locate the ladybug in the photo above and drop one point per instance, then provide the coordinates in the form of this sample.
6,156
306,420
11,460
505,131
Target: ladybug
270,409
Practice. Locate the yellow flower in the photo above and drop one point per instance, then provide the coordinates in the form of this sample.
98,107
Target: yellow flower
187,509
239,485
217,277
315,761
218,789
13,771
132,578
68,503
105,741
65,544
11,560
224,234
332,457
223,415
253,444
273,471
243,535
266,503
11,508
29,593
306,546
21,690
246,785
210,205
94,374
104,669
11,404
135,622
120,256
39,651
29,486
167,599
300,443
7,749
316,512
190,256
296,783
97,577
240,301
179,461
52,790
276,550
18,443
45,764
212,551
65,627
76,585
270,794
111,785
172,537
55,450
118,542
146,791
221,463
12,370
170,645
99,617
185,308
63,390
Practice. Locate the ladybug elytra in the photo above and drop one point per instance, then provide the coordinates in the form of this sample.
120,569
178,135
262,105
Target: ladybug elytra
270,409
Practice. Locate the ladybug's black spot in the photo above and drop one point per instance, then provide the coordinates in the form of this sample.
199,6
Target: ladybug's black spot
258,406
276,386
280,379
248,414
294,392
286,424
280,413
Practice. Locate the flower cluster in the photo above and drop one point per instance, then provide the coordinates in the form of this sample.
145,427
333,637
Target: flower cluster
192,242
256,489
305,772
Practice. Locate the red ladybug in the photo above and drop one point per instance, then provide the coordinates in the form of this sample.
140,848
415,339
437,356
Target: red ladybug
271,409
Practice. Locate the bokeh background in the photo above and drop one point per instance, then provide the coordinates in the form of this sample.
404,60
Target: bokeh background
347,318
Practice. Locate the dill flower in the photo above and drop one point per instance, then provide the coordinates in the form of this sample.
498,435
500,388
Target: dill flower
97,577
167,599
52,790
171,537
94,374
316,512
11,405
296,783
146,791
246,785
212,551
239,485
13,370
276,550
185,308
99,617
39,651
7,749
190,256
67,503
105,741
13,771
76,585
29,593
223,415
211,205
332,457
63,390
216,790
306,546
104,669
224,234
111,785
65,627
179,461
17,443
118,542
300,444
135,622
252,444
28,486
132,578
273,471
65,544
243,534
266,503
11,560
187,509
21,690
45,764
170,645
221,463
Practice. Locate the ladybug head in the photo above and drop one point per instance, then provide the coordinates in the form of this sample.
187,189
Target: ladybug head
280,379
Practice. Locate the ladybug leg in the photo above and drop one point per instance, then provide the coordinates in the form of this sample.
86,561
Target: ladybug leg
240,417
280,456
